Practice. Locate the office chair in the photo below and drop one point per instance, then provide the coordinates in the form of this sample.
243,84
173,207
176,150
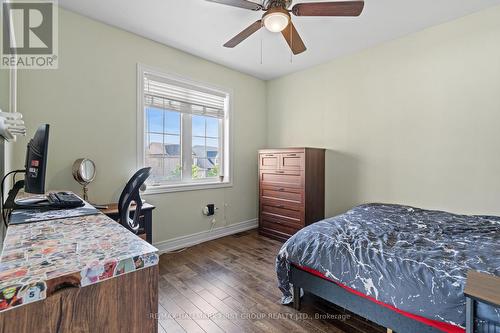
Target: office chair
131,194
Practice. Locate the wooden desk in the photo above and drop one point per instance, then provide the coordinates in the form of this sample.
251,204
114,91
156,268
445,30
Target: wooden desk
145,222
79,274
126,303
483,288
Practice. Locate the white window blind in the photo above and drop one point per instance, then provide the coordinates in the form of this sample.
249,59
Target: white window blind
162,93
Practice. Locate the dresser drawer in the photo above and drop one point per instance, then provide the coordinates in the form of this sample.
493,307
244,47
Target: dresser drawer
269,161
292,161
278,203
281,220
282,208
282,177
281,193
268,225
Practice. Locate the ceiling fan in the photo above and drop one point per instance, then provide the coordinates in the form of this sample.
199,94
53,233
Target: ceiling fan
277,17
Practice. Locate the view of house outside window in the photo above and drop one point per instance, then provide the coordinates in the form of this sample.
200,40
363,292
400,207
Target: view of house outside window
163,145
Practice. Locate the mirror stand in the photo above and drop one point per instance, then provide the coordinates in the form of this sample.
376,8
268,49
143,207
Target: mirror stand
85,193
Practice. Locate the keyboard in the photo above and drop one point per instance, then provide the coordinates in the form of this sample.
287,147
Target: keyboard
64,200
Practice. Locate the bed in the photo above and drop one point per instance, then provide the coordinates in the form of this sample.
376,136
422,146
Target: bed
400,266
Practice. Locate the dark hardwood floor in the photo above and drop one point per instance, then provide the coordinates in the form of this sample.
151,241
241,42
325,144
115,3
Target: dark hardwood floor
229,285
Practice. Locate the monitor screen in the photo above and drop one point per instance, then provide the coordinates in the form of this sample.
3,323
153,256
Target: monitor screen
36,161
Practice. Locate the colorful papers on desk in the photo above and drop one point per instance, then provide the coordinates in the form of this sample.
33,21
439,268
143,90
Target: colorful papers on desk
38,257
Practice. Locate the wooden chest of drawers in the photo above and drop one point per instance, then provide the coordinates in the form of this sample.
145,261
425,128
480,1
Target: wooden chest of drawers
291,190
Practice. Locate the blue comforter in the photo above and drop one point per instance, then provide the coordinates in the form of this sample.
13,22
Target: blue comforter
413,259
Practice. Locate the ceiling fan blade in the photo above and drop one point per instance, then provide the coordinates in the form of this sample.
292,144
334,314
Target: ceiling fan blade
293,39
244,34
338,8
240,3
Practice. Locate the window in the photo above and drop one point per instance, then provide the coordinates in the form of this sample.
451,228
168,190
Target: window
183,132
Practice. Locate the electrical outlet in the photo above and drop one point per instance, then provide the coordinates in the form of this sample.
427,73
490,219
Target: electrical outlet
209,210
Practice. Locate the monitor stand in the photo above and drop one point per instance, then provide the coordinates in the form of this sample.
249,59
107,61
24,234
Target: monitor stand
11,202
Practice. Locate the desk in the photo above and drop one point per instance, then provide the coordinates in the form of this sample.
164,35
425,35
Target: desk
145,220
482,288
79,274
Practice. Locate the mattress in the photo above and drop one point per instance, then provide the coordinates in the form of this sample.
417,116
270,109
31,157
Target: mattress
411,259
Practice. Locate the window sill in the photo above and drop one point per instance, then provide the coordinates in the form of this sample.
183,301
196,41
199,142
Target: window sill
185,187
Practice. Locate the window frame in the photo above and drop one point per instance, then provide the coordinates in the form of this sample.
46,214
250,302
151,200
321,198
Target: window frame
186,130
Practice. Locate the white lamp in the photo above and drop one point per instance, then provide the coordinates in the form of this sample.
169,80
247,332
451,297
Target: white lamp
276,19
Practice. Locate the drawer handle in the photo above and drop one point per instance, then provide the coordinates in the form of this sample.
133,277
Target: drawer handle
280,206
291,155
281,189
280,171
269,155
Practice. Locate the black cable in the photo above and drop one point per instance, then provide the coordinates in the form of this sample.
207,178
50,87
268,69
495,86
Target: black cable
5,177
2,192
4,217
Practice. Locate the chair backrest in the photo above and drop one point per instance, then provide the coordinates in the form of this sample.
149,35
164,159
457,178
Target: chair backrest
131,195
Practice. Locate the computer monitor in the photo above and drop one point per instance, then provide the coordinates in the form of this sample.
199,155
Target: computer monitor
36,161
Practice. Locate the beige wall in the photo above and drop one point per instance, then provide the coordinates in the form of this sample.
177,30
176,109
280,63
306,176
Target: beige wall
413,121
90,102
4,90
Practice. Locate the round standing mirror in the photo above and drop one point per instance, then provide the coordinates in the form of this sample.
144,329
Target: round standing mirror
84,173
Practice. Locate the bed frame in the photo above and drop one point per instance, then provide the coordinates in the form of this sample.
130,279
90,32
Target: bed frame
356,304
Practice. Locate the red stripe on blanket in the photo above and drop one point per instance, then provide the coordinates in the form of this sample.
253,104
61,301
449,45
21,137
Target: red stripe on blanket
445,327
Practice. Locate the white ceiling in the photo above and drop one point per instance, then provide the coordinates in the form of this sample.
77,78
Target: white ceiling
200,28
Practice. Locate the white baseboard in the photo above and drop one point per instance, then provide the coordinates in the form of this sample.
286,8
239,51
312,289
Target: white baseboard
204,236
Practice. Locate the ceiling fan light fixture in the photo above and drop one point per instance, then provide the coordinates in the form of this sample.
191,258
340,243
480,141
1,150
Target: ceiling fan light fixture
276,19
